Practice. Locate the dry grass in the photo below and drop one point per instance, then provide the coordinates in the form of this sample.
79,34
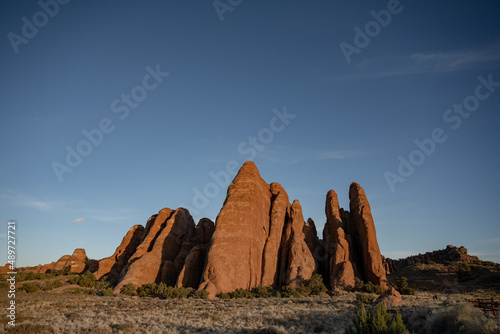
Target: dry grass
63,312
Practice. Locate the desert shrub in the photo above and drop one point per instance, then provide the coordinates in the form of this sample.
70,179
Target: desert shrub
108,292
431,262
77,291
290,292
223,295
365,298
401,284
128,289
49,285
262,291
92,292
102,284
378,322
86,280
462,318
199,294
315,284
369,287
241,293
277,294
150,289
29,287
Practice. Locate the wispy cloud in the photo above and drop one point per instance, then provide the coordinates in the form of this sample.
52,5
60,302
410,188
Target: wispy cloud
17,198
485,57
294,155
78,220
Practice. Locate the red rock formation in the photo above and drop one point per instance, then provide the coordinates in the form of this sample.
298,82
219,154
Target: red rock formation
341,272
299,263
78,261
372,266
61,263
390,298
154,257
47,267
443,256
280,211
193,264
113,265
242,227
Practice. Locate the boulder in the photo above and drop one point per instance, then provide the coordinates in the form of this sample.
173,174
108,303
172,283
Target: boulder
390,298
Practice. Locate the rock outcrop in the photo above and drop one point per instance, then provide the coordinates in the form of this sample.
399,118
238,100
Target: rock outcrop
341,271
78,261
258,238
390,298
443,256
113,265
196,250
153,260
372,267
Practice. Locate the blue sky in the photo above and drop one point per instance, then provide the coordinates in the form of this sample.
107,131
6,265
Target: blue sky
171,93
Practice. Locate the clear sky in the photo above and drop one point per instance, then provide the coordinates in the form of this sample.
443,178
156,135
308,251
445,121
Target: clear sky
112,110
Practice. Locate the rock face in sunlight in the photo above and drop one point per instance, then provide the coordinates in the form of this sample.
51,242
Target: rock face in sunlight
259,239
340,264
78,261
370,260
153,260
113,265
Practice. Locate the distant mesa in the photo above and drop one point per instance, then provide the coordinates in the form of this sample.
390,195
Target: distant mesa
258,239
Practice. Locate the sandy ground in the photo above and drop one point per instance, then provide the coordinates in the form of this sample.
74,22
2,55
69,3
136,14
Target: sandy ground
62,312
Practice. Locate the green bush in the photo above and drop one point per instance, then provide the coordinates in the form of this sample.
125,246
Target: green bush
102,284
128,289
369,287
223,295
365,298
314,285
49,285
401,284
378,322
199,294
277,294
77,291
108,292
431,262
30,287
290,292
262,291
241,293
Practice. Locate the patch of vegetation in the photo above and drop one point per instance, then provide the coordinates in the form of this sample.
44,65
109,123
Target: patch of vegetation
290,292
85,280
365,298
128,289
378,322
431,262
241,293
30,287
262,291
224,295
369,287
461,318
314,286
49,285
162,290
108,292
401,284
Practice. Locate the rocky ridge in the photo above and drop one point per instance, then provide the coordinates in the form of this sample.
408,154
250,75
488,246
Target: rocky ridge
259,239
